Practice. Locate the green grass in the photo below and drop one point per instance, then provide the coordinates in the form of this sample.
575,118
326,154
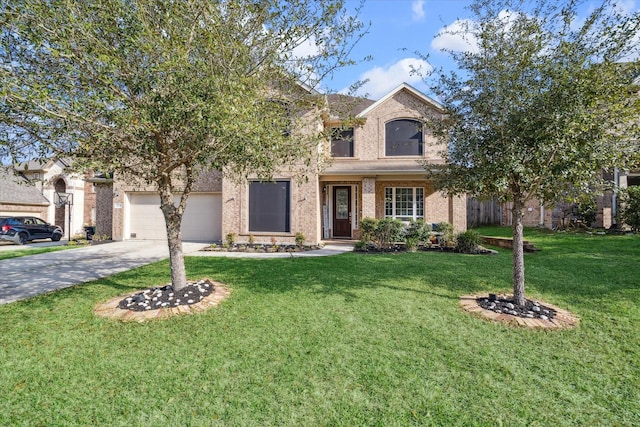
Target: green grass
356,339
29,250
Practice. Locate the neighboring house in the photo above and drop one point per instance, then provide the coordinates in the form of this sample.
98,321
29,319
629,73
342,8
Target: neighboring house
21,197
538,215
32,192
372,169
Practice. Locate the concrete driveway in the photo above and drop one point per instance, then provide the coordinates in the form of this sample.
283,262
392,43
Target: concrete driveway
31,275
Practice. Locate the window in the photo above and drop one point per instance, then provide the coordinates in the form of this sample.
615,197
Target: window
269,206
403,138
342,142
404,204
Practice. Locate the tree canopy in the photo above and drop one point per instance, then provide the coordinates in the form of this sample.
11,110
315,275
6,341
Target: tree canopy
542,102
154,89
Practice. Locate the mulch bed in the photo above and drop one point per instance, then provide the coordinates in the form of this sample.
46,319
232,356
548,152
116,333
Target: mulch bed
141,306
165,296
534,314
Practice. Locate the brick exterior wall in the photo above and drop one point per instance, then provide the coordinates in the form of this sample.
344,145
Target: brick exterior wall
305,212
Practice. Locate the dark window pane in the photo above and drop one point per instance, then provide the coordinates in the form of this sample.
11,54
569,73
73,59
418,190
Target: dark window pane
269,206
403,138
342,143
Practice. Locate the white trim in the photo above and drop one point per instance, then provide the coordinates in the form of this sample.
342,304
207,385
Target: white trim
404,86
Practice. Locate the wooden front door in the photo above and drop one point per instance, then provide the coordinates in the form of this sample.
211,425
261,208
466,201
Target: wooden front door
342,212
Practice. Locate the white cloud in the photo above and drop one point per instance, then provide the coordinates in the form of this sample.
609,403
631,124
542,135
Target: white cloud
417,7
626,7
381,80
456,37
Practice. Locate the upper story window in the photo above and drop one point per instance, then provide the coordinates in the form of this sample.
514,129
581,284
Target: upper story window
342,142
403,137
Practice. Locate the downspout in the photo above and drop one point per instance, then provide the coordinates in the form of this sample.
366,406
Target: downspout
541,215
614,198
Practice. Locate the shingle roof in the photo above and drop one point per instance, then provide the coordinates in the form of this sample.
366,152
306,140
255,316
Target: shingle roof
16,189
343,106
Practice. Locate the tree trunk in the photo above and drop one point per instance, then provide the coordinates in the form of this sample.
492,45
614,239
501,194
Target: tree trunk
518,252
173,221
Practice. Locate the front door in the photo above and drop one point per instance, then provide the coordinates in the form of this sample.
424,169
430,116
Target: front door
342,212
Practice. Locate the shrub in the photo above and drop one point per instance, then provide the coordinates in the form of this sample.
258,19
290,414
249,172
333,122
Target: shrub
252,239
382,231
360,246
447,238
418,232
300,238
368,229
231,239
389,230
468,241
586,210
630,207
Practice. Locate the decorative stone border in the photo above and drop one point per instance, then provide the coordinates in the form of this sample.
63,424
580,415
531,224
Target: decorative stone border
111,310
562,320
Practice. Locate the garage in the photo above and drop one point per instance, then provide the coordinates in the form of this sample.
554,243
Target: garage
202,220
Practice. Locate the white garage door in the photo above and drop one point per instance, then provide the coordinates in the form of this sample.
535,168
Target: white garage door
202,220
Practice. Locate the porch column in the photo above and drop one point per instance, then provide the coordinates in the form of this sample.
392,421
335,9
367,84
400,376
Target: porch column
368,197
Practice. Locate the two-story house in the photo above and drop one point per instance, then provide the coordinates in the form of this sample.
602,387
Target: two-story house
371,169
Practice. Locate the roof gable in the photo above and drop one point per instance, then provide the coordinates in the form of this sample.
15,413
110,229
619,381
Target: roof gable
403,87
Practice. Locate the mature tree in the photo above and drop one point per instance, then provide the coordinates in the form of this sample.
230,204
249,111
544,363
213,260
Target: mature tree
154,89
543,102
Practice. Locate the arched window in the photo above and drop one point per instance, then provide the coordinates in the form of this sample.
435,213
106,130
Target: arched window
403,137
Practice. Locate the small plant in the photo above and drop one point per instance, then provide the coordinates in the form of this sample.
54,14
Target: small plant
230,239
382,232
360,246
586,210
368,229
274,242
468,241
417,232
300,238
411,243
252,239
448,238
100,237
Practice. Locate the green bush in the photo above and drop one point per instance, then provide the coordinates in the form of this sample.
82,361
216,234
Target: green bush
382,232
447,238
368,229
586,210
360,246
630,207
468,241
231,239
389,230
300,238
418,231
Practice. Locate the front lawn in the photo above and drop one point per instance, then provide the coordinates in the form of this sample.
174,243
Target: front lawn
355,339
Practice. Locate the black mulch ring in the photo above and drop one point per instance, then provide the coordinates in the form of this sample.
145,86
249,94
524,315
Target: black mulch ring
166,297
531,309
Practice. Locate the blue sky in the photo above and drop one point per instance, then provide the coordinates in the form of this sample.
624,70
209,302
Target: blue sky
398,29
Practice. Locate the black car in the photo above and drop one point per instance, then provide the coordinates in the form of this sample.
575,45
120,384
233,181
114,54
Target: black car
23,229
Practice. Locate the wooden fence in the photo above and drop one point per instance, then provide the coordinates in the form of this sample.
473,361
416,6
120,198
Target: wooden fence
487,212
